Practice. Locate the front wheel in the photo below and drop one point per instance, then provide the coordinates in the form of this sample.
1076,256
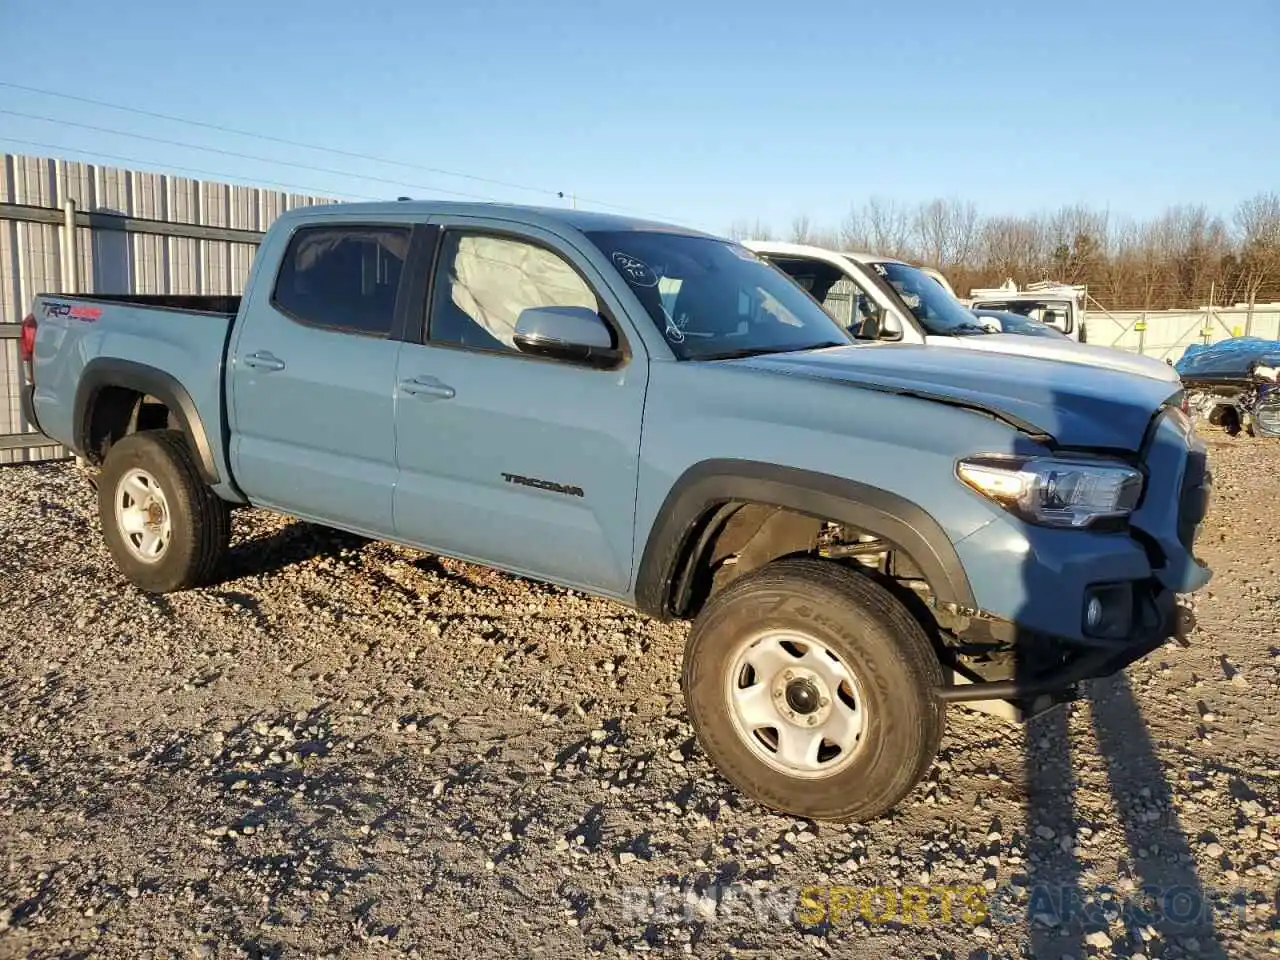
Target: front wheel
165,528
810,686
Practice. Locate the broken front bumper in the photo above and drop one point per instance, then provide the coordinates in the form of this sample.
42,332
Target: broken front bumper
1031,637
1039,665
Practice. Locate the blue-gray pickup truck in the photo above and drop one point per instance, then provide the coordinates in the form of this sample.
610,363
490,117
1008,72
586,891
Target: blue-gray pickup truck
860,533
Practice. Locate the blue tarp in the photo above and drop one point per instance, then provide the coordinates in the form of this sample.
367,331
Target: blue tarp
1228,358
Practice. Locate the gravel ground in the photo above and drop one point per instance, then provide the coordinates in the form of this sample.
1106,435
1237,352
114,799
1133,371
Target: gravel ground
352,749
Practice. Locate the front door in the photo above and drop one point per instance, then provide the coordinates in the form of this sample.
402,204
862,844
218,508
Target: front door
519,462
312,378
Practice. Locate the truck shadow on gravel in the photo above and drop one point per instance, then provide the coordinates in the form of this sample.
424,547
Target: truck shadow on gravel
1158,891
295,543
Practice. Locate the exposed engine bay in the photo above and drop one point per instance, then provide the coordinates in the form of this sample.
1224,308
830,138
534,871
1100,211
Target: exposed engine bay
1234,384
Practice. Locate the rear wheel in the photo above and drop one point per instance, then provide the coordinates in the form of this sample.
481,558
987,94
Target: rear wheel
165,528
810,687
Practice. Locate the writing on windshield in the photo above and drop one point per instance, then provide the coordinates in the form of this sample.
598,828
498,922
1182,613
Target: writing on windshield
713,299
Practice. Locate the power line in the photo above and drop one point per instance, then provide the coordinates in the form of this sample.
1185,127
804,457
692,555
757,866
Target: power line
243,156
314,146
256,182
281,140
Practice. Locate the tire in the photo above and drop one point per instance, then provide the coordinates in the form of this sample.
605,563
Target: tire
881,646
198,521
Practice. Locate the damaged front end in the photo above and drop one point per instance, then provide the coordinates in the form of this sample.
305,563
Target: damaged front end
1233,384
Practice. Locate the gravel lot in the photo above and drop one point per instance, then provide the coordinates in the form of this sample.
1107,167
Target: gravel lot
352,749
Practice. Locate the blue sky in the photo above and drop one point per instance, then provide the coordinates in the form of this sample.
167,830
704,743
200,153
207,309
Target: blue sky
700,112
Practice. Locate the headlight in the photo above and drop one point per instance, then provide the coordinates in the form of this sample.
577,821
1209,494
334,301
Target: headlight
1053,492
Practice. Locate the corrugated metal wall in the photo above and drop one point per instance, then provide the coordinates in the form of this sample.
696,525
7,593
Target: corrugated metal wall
112,261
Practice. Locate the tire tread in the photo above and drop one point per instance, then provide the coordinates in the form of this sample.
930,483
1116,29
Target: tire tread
826,582
209,525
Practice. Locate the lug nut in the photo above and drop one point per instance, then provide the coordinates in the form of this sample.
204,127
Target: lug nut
787,675
812,720
823,702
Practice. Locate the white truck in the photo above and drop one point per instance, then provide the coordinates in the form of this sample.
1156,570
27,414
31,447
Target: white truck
882,298
1059,305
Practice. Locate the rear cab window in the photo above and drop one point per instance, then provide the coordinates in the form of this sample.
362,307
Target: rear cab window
343,278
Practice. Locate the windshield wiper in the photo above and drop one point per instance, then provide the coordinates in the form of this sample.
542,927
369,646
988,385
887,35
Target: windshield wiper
758,351
968,328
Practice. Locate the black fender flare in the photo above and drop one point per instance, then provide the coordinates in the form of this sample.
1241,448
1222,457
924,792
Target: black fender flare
876,511
105,372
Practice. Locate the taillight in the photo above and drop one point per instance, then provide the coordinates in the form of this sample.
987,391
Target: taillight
28,344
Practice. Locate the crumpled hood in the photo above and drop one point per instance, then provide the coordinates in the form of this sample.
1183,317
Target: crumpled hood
1076,404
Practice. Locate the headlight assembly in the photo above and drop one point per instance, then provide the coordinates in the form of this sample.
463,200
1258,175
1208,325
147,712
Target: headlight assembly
1055,492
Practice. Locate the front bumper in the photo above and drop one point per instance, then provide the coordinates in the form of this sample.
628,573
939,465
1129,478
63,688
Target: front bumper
1040,667
1029,637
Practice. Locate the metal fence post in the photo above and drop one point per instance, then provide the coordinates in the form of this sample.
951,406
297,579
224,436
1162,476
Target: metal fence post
69,249
1208,315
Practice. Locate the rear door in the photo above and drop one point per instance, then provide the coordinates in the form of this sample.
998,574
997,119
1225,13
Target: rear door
312,370
519,462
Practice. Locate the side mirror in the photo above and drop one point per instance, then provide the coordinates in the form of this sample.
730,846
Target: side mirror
1054,319
890,327
576,334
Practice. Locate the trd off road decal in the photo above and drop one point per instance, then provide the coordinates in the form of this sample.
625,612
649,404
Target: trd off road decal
87,314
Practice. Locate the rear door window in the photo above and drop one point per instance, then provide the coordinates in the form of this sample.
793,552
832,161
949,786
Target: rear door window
343,277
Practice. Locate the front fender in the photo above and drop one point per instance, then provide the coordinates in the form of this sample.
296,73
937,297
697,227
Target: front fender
870,509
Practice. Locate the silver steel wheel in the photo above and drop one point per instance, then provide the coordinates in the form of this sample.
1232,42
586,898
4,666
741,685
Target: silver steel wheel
142,515
795,703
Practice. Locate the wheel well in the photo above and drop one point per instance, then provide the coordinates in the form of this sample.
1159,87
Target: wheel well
733,538
117,412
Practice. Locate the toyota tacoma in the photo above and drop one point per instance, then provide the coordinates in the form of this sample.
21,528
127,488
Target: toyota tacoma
860,533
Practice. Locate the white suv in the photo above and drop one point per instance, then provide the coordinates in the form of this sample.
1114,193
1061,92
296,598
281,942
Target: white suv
881,298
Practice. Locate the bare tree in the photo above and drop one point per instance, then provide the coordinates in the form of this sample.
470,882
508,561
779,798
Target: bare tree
742,229
1012,248
1257,222
946,232
801,229
1078,239
1171,260
879,226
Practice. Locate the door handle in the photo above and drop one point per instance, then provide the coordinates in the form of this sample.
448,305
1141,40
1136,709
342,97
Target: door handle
428,388
263,360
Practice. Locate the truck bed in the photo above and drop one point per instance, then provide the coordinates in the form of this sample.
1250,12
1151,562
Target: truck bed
222,304
168,346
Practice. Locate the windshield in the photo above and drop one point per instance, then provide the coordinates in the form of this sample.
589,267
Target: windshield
934,308
714,299
1009,322
1056,313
